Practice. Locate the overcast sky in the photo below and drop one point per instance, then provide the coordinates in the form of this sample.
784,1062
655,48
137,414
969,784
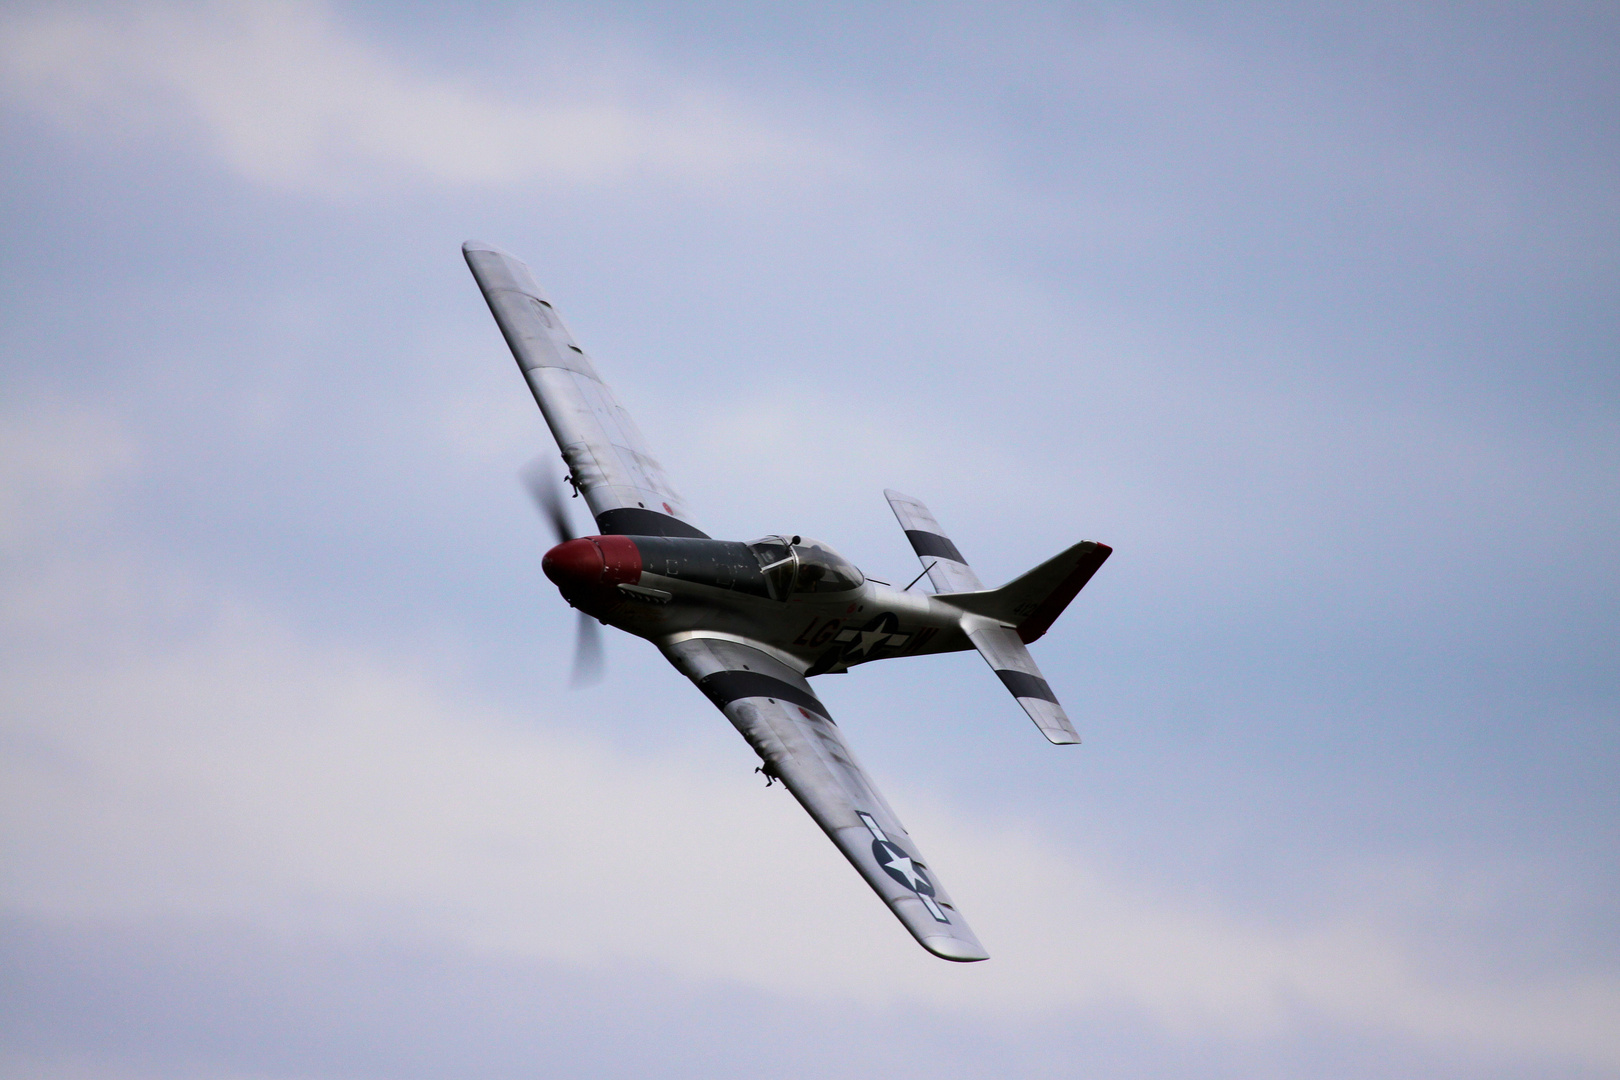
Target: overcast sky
1314,317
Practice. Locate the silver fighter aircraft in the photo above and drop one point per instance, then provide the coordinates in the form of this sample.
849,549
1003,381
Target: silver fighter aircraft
751,623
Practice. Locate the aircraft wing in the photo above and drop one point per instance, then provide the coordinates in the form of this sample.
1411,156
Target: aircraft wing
788,726
621,481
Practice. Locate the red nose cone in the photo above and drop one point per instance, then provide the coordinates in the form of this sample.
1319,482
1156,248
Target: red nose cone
574,564
591,563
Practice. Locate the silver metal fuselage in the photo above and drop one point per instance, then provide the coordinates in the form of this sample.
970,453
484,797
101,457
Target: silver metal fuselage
873,622
813,632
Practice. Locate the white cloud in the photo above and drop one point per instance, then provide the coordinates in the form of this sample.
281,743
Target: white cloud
194,759
285,94
54,457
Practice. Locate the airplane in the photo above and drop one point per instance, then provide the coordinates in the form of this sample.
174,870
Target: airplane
751,623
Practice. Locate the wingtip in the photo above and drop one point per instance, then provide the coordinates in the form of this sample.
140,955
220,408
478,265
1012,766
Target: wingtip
949,948
478,245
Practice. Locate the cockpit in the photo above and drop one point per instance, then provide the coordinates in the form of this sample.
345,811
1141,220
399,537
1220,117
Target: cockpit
793,564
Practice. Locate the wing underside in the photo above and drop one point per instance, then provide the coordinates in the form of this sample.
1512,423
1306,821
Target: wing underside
787,725
607,456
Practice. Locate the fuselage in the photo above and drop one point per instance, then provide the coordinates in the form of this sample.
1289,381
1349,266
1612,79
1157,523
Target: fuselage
797,598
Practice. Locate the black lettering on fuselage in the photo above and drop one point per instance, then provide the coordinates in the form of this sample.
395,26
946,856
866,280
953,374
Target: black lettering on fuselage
826,632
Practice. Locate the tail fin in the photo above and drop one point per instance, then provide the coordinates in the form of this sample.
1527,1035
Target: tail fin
1007,617
1032,602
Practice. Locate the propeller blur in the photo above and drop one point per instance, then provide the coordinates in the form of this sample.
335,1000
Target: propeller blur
587,637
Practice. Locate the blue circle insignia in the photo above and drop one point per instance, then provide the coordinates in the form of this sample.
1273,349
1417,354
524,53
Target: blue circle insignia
900,866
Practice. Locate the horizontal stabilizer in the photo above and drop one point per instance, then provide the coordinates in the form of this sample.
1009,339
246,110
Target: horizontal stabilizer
947,570
1010,660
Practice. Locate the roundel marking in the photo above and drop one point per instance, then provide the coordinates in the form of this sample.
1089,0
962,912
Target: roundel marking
898,865
880,632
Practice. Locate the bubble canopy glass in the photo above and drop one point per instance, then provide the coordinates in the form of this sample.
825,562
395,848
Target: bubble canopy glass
800,565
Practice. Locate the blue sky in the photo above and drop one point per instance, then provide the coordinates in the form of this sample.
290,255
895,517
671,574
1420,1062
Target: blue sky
1312,316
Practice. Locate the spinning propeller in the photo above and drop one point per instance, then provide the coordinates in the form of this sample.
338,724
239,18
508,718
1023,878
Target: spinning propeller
549,501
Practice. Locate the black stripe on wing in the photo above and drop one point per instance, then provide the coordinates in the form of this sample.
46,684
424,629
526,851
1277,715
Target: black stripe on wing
637,521
724,687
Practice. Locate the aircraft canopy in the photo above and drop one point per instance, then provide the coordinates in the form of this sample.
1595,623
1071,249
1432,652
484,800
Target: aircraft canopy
799,565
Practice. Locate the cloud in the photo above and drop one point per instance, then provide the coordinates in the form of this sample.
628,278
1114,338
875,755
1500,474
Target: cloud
54,458
285,94
192,758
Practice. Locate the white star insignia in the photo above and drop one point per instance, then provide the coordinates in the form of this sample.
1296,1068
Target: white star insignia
862,642
869,638
903,864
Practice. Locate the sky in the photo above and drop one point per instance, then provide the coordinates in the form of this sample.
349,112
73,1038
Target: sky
1312,313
